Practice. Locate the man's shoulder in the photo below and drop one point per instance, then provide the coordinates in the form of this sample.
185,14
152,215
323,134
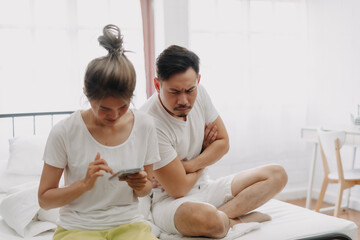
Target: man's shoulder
161,119
154,108
201,91
144,119
149,105
141,114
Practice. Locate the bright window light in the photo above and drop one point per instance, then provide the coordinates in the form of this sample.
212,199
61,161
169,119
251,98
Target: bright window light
252,55
46,46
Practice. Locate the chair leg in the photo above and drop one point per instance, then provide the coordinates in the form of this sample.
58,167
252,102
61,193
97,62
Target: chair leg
348,197
322,195
338,200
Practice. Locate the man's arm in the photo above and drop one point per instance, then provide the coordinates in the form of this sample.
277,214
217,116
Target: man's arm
175,181
210,135
211,153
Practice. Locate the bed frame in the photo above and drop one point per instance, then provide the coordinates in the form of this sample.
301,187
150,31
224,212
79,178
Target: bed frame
33,115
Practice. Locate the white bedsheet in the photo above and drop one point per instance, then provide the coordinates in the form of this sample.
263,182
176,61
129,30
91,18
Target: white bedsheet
288,222
6,233
234,233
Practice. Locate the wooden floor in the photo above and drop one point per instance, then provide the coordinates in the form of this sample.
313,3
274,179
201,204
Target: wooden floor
348,214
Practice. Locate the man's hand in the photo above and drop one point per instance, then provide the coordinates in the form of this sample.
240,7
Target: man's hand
156,184
210,135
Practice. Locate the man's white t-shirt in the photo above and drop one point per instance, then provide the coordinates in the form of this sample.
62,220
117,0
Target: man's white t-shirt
177,137
111,202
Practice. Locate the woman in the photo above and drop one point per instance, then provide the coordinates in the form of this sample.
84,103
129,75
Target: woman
91,145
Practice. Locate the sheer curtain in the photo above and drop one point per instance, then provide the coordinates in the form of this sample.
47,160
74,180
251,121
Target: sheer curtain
253,65
149,44
46,46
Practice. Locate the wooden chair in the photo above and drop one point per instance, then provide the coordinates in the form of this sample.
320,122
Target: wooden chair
330,145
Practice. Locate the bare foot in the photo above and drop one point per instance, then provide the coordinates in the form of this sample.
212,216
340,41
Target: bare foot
250,217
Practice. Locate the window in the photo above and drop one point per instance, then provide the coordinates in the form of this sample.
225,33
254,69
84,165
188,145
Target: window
46,46
253,64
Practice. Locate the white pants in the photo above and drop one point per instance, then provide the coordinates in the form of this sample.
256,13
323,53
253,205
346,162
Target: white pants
214,192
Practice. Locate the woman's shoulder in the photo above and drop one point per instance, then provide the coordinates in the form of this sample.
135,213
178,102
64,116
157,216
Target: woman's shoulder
67,123
69,119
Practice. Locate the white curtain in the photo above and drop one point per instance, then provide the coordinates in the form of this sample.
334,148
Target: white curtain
46,46
253,64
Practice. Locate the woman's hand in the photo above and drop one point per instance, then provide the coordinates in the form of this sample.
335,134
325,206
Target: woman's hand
136,181
94,171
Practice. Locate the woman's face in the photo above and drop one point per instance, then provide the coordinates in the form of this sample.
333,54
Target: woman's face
109,110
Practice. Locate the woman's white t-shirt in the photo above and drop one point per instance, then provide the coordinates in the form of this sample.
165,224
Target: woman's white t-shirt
111,202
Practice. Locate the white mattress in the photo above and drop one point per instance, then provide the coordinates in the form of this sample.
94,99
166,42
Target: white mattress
293,222
288,222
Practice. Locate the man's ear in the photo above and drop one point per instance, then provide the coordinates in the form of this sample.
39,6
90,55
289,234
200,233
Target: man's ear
199,78
157,84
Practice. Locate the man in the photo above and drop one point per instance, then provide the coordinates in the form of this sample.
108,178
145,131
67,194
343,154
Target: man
190,203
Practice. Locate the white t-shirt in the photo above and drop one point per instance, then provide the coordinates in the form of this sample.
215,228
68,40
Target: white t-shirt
111,202
177,137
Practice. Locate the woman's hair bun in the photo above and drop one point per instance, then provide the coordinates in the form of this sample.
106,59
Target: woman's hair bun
112,40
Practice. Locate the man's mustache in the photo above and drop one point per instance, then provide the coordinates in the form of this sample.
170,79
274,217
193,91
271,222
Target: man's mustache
182,107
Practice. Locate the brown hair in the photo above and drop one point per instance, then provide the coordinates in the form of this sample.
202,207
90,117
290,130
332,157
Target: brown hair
112,75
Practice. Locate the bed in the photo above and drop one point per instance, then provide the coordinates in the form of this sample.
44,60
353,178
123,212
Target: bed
20,168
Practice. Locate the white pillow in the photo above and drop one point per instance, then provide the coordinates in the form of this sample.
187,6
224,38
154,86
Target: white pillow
10,180
26,153
50,215
4,149
20,209
23,187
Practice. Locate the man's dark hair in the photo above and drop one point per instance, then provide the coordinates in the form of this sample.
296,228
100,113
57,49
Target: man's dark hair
175,59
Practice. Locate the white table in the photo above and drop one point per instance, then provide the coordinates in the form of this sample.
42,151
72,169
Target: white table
310,134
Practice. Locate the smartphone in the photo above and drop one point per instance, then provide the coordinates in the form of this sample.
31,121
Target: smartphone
123,173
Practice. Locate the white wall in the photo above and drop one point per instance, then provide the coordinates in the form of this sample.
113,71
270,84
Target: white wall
245,152
334,57
333,88
171,24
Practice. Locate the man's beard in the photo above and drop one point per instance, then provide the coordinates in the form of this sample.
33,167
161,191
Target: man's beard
182,114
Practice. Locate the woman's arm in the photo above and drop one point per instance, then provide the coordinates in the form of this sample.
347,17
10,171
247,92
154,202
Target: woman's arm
51,196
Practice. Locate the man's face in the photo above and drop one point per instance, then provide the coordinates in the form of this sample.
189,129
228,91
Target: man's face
178,93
